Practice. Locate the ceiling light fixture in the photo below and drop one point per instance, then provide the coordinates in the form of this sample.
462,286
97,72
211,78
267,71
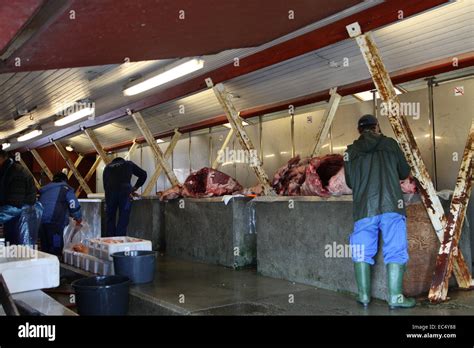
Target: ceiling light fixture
159,141
84,112
164,77
368,95
230,127
30,135
6,145
69,148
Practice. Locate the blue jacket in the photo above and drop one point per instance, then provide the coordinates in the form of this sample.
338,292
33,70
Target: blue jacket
59,202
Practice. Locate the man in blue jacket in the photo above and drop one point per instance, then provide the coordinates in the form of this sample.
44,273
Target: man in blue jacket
119,193
59,202
374,165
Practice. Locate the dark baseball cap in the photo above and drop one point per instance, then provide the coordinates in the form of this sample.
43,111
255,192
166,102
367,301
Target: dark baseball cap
367,120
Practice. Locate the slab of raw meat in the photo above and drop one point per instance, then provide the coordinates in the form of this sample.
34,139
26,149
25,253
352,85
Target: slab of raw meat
318,174
171,193
337,184
408,185
208,182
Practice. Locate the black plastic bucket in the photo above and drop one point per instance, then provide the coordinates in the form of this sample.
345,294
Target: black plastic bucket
137,265
102,295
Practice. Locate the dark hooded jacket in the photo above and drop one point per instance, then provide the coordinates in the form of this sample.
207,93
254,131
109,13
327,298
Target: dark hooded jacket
373,168
17,187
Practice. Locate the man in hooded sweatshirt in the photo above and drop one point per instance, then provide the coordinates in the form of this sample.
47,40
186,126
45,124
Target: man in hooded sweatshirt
374,165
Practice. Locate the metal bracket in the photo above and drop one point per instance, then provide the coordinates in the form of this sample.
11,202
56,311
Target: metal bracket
354,29
209,82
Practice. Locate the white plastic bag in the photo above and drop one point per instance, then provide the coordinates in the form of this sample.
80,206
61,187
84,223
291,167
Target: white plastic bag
76,234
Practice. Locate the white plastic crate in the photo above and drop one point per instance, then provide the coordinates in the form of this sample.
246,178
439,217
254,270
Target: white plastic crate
88,262
103,248
25,269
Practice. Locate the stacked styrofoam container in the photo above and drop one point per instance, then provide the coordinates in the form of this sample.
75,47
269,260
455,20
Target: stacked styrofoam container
99,259
103,248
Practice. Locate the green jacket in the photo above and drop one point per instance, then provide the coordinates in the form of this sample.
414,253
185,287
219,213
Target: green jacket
374,165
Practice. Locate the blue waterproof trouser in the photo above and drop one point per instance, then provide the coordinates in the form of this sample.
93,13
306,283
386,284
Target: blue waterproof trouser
364,239
121,201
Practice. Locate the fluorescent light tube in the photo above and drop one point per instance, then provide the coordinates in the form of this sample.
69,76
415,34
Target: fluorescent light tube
230,127
164,77
367,95
30,135
74,116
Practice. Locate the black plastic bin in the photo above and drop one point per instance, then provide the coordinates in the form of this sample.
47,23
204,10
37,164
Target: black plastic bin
137,265
102,295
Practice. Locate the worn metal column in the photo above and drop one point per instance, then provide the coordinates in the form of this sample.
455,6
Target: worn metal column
455,219
42,164
95,142
138,118
407,142
328,117
90,173
236,124
216,164
158,169
79,159
37,184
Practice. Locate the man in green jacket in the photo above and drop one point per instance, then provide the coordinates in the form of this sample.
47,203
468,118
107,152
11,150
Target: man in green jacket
374,166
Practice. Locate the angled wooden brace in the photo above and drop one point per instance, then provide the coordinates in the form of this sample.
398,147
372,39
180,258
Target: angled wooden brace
79,159
37,184
452,234
43,165
62,151
216,163
132,150
328,117
95,142
236,123
407,143
90,173
167,155
138,118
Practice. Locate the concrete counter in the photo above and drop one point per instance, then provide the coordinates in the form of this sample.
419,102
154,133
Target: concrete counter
146,218
306,240
207,230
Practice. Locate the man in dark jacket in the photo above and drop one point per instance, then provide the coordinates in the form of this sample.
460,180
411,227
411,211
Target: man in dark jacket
119,193
374,166
59,202
17,197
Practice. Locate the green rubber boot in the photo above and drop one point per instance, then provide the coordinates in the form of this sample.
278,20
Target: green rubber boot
395,283
362,274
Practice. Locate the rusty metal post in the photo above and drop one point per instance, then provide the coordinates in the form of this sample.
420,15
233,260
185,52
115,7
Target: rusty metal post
62,151
132,150
147,134
406,140
158,169
37,184
455,219
95,142
328,117
236,123
79,159
90,173
42,164
216,164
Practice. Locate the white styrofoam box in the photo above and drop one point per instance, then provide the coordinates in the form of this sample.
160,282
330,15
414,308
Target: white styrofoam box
88,262
99,247
26,269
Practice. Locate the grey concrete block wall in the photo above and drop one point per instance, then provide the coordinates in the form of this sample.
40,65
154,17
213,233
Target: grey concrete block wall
207,230
292,242
147,221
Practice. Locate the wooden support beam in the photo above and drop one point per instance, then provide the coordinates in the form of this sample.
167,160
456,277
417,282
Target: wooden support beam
43,165
79,159
452,234
37,184
95,142
89,173
148,135
62,151
235,121
325,125
167,155
406,140
132,149
216,163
